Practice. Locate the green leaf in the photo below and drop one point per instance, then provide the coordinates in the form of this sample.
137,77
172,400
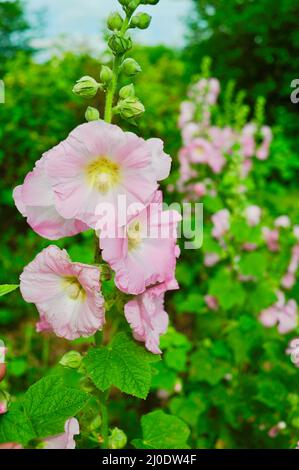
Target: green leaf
207,368
124,364
7,288
162,431
42,411
188,408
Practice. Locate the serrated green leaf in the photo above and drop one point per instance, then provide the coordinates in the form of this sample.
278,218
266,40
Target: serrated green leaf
42,411
7,288
162,431
122,363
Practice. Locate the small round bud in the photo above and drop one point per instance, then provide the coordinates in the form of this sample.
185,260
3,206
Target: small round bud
130,67
106,74
141,21
92,114
87,87
117,439
71,359
115,21
130,108
127,91
133,5
119,44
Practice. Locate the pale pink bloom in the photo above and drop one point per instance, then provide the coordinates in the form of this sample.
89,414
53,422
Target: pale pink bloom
211,302
288,280
262,152
247,140
147,316
253,215
189,132
144,252
221,221
282,221
211,259
282,313
187,111
249,246
271,238
274,431
216,161
294,263
98,162
213,91
246,167
296,231
67,295
35,200
199,189
200,150
65,440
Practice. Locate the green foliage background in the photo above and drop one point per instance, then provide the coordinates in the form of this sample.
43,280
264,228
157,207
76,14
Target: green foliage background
257,45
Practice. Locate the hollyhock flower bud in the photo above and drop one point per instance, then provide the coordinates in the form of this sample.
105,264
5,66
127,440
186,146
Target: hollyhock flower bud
65,440
87,87
127,91
253,215
4,401
130,108
133,4
67,295
200,189
271,238
147,317
106,74
187,111
99,163
2,371
92,114
130,67
141,21
71,359
221,223
124,2
117,439
119,44
115,21
144,252
35,200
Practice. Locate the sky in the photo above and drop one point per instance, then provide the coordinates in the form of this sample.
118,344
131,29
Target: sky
81,21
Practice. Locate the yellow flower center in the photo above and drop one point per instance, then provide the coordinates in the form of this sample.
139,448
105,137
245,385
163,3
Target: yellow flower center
74,289
103,174
134,235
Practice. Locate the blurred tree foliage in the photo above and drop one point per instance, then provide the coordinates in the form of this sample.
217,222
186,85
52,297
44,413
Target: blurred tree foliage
254,42
14,31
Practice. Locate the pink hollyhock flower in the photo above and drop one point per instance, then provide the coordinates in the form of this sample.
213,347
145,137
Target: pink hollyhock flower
211,259
221,223
294,263
275,430
98,162
262,152
3,408
211,302
202,151
282,221
222,139
144,252
249,246
213,91
35,201
147,316
187,111
65,440
282,313
246,167
253,215
67,295
296,231
271,238
199,189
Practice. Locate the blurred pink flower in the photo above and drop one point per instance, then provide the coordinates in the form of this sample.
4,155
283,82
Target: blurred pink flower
211,302
221,221
67,295
282,313
210,259
282,221
253,215
262,152
271,238
187,111
147,316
